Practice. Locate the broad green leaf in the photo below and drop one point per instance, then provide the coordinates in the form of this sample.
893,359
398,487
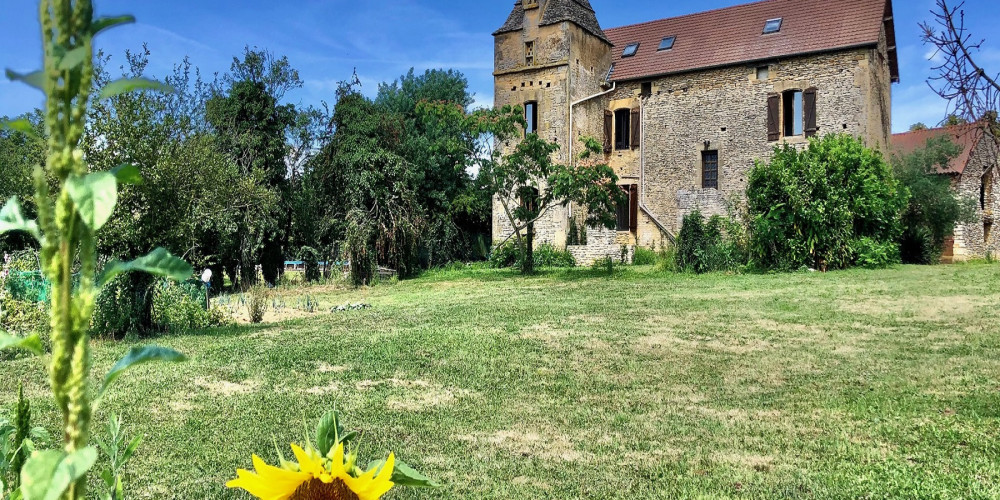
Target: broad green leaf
137,356
124,85
95,197
404,475
34,79
328,432
73,58
103,23
159,262
31,343
36,476
126,173
11,219
70,468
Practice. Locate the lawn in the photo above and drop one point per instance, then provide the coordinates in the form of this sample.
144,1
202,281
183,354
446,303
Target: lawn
572,384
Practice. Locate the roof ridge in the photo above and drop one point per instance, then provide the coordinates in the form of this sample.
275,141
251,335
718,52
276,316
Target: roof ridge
692,14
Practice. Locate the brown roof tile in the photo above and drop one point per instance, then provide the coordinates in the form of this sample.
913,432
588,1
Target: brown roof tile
966,136
733,35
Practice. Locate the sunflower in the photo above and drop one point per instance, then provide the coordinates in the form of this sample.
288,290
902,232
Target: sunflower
314,477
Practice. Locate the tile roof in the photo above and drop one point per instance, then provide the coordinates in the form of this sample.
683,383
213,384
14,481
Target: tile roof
966,136
578,12
733,35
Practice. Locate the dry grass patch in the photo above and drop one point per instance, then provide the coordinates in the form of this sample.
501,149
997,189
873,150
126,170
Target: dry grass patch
225,388
544,443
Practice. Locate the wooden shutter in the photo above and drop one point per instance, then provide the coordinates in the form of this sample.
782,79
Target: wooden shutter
609,129
809,111
773,117
636,130
633,207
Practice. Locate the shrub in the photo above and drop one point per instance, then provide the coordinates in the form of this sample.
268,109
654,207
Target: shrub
546,255
509,255
702,246
256,300
873,254
933,209
666,258
644,257
124,306
20,313
178,307
807,207
607,264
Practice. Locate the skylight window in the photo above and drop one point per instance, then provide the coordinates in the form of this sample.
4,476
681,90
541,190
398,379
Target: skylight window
667,43
772,26
630,50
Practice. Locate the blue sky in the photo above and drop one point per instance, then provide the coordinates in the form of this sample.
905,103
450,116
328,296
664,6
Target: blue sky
327,39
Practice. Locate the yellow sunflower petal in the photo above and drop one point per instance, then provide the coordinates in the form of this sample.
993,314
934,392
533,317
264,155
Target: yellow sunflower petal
307,463
368,487
268,482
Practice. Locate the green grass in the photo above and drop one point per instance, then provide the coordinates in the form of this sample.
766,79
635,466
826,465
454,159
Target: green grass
571,384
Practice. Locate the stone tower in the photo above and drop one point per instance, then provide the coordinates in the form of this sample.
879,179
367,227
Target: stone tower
548,55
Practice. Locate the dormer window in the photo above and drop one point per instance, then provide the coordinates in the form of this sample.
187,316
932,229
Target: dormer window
630,50
530,4
772,26
667,43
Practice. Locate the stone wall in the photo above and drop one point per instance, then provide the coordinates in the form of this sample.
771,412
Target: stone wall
601,243
971,240
725,110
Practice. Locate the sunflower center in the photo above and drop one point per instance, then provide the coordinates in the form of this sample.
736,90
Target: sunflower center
315,489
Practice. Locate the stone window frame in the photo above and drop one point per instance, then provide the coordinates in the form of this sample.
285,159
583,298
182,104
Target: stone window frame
531,125
705,181
779,88
529,53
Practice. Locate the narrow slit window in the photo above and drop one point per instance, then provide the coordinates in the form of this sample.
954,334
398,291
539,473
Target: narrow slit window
772,26
667,43
531,117
630,50
710,170
529,53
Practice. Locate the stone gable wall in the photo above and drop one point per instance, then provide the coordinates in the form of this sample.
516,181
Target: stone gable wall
970,239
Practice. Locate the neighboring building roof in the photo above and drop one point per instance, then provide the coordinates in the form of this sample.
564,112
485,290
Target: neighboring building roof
578,12
966,136
734,35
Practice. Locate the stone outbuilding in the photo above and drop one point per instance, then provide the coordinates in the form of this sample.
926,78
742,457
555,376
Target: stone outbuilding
973,175
686,105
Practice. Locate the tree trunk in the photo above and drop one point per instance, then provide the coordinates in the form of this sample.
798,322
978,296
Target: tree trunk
528,262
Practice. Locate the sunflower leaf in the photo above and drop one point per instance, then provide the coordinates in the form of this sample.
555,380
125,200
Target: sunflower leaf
12,219
159,262
95,196
34,79
404,475
104,23
328,432
125,85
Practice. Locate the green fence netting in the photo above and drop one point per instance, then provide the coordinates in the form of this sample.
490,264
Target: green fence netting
31,286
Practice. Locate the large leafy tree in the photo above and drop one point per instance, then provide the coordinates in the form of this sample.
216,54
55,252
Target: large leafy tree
252,128
20,152
365,187
439,148
527,183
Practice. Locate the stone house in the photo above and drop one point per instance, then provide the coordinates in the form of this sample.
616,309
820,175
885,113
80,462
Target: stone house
973,174
686,105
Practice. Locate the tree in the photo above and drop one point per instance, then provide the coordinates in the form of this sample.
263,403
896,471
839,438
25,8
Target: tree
918,126
252,127
972,91
365,188
527,183
933,209
438,149
20,152
820,207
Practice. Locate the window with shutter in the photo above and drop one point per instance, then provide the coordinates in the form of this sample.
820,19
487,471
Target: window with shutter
622,212
792,107
633,218
636,128
773,120
809,112
623,135
609,130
